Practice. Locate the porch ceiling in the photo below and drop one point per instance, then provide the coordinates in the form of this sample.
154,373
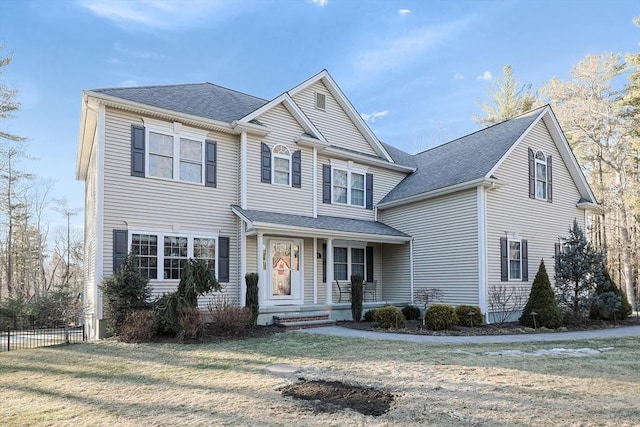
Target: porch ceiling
322,226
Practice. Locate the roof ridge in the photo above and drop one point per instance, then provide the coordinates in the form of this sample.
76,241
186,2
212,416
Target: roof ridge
178,85
526,113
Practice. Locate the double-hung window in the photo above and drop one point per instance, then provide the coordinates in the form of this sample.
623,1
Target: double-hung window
515,260
348,262
171,253
348,186
541,175
281,165
175,152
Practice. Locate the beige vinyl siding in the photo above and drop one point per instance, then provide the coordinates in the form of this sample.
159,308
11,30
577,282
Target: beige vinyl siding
395,272
308,258
384,180
334,124
510,210
154,205
274,197
445,247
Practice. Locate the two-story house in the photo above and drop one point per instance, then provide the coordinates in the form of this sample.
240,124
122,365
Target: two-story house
301,191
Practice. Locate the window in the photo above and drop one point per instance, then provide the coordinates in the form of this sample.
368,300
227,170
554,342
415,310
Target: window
281,165
348,187
541,175
321,101
173,255
515,260
347,262
145,248
174,152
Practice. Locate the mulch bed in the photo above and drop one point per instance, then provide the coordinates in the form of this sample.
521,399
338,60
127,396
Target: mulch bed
415,327
333,396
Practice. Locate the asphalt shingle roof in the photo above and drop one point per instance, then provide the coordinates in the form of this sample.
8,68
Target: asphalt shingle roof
462,160
328,223
199,99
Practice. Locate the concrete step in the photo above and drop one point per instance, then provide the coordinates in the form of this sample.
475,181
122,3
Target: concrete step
307,324
296,317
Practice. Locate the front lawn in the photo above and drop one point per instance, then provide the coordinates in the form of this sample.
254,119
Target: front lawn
227,383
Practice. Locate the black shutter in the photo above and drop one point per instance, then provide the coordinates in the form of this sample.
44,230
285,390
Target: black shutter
557,258
524,247
324,262
326,184
549,181
137,150
266,163
504,260
211,161
369,266
296,169
223,259
120,248
369,191
532,175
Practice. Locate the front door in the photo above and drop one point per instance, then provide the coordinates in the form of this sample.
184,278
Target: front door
284,274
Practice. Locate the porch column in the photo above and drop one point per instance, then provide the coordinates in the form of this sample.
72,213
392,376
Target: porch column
261,276
329,268
315,270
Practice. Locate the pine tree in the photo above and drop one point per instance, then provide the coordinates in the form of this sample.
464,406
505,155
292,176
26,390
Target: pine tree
542,302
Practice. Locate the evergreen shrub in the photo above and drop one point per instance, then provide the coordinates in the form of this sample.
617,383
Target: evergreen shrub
542,301
411,312
389,317
440,317
462,311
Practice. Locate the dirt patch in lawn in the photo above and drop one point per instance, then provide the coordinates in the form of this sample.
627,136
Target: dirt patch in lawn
332,396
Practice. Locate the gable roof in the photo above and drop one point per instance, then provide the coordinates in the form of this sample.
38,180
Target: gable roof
205,100
463,160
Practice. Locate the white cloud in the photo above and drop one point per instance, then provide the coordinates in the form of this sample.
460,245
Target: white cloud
404,12
138,54
158,14
129,83
485,76
398,52
320,3
458,76
371,118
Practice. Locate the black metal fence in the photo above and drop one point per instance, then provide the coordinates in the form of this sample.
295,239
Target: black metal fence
20,332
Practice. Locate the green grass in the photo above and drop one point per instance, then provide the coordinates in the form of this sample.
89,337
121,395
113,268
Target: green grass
111,383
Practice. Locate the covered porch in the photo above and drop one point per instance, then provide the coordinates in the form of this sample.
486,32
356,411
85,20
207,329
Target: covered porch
301,260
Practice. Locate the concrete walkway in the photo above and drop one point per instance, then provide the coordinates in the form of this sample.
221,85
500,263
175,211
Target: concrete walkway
480,339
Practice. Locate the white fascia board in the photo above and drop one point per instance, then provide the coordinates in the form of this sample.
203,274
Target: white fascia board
305,141
440,192
289,230
86,133
347,107
567,155
515,144
251,128
588,206
242,217
187,119
340,154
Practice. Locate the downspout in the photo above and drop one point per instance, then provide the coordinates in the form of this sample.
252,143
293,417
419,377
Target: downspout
411,268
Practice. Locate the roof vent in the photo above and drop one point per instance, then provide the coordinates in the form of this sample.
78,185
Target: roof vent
321,101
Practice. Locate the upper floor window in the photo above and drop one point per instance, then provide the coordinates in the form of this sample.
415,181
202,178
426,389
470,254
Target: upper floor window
348,187
541,175
281,165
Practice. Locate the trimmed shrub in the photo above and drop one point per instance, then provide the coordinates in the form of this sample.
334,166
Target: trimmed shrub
229,319
370,316
125,291
357,293
439,317
542,301
411,312
138,326
389,317
251,299
462,311
191,323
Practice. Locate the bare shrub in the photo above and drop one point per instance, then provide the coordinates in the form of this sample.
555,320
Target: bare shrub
139,326
191,324
505,301
227,318
427,296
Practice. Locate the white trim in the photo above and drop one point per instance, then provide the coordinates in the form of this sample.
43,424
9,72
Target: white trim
483,275
315,182
288,157
350,168
243,264
100,159
243,170
329,271
361,158
259,267
544,162
411,284
350,246
297,282
509,240
315,270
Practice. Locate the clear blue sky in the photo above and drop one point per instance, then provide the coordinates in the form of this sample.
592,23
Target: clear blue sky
414,68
